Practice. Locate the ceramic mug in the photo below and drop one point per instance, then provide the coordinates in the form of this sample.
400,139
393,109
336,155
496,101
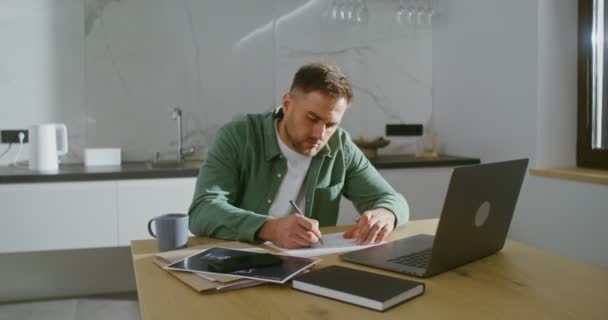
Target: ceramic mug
171,231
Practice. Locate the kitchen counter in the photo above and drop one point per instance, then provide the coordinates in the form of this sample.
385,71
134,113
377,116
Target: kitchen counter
139,170
78,172
404,161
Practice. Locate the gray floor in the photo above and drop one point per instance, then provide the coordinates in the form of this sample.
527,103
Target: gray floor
115,307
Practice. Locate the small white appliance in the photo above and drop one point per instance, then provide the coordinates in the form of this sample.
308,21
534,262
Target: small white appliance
44,144
101,157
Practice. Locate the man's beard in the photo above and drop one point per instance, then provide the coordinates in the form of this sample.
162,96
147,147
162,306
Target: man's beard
298,146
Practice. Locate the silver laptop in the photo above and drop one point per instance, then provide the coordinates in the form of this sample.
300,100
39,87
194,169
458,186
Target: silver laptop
474,223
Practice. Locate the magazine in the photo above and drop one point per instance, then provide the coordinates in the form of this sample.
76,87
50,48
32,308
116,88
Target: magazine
258,266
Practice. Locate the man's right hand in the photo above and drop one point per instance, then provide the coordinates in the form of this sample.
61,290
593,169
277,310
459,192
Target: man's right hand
292,231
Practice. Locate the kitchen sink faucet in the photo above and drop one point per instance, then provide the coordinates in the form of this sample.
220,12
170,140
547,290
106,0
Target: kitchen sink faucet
176,114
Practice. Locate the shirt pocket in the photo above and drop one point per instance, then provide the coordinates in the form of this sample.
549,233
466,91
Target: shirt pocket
327,204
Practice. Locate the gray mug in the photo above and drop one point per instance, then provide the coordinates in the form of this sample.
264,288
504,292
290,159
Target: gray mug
171,231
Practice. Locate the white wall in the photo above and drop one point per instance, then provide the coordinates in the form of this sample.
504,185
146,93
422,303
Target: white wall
485,79
504,75
111,70
557,83
42,67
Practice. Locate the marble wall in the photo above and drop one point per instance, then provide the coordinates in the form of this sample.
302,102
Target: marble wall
122,65
42,69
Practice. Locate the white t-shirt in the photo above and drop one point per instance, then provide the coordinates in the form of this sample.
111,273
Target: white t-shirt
292,184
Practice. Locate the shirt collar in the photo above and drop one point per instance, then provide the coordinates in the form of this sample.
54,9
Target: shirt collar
271,145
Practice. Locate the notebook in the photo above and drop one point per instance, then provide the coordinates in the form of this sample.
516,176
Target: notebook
367,289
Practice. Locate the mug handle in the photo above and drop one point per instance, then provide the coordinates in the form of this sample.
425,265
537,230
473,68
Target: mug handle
63,132
150,227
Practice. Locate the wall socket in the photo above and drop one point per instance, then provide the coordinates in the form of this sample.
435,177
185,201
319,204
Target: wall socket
12,136
404,130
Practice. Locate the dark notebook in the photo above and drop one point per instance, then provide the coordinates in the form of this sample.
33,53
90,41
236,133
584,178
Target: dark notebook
367,289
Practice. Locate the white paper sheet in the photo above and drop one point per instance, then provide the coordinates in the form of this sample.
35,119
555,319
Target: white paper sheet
332,243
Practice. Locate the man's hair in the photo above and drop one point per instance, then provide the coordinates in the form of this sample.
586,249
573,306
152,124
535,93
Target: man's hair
324,77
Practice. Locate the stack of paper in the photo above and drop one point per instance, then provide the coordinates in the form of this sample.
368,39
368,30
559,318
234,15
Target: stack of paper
193,267
218,261
203,282
332,243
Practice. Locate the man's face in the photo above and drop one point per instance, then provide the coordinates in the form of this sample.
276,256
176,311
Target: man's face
309,120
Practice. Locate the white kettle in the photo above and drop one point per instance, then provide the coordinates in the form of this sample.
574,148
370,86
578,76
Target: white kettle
43,145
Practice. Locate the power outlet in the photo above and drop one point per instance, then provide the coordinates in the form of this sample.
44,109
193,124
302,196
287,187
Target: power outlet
404,129
12,136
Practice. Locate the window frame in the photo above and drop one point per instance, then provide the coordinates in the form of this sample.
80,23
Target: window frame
586,156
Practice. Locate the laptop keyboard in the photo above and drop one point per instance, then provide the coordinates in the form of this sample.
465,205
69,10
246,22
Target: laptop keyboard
418,259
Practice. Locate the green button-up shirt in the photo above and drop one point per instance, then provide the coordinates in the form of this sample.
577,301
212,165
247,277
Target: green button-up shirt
243,172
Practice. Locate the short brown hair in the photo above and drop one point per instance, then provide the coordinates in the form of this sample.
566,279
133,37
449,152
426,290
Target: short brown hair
324,77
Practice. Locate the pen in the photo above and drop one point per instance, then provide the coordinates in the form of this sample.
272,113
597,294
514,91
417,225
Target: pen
295,206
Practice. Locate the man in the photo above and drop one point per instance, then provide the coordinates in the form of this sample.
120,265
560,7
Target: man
259,163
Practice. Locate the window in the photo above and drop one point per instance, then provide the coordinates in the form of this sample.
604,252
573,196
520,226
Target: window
592,135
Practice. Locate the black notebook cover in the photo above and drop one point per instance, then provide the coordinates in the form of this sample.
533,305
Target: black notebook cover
368,289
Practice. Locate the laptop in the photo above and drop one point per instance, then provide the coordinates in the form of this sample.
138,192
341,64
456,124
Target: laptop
474,222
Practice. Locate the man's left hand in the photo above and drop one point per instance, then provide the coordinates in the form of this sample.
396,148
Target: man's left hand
372,227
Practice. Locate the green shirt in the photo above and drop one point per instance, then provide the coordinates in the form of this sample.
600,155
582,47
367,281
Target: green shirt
243,171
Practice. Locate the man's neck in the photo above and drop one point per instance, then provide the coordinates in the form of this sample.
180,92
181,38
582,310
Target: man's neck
283,134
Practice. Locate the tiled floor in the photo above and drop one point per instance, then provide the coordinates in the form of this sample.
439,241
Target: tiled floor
115,307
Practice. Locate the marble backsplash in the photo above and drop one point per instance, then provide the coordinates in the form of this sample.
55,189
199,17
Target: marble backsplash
114,68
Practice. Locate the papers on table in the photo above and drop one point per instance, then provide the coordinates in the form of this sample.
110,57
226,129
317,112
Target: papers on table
202,282
201,263
332,243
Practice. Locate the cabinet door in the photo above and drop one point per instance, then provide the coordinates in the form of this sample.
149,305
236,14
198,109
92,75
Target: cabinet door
49,216
142,200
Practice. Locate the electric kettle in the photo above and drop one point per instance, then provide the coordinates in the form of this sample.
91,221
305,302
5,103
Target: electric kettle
43,145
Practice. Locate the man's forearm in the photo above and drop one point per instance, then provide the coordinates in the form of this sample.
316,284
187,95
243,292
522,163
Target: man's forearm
219,219
397,205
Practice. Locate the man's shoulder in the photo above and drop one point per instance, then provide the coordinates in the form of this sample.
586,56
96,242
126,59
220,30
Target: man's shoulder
341,139
342,134
342,144
244,123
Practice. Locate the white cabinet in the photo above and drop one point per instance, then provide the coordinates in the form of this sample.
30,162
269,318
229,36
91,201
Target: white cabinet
141,200
68,215
49,216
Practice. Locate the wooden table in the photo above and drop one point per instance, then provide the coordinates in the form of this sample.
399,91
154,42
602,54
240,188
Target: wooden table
519,282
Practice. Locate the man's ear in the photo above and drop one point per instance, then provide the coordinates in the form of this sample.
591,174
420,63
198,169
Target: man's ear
287,100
